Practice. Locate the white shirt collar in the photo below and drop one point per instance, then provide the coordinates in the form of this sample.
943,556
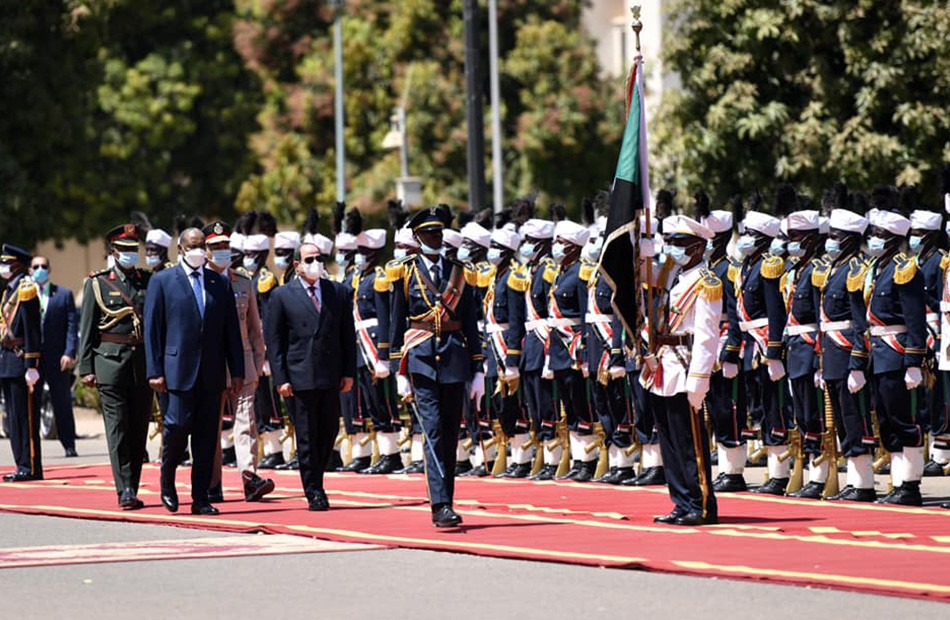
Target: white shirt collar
429,263
190,270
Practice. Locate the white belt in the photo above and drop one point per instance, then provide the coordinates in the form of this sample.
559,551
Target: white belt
535,324
598,318
945,306
563,322
481,325
887,330
493,328
835,326
798,330
366,323
934,316
750,325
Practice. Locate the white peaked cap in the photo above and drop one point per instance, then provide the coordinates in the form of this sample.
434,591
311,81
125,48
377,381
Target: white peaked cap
925,220
256,243
405,237
374,239
848,221
287,240
803,220
477,233
451,238
506,238
682,225
237,241
890,221
158,237
536,229
344,242
571,232
718,221
763,223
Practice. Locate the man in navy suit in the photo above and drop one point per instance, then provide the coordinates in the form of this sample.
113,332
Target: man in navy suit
58,318
311,347
192,338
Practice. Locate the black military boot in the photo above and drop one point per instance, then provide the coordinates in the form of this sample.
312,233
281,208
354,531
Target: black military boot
519,471
775,486
387,464
812,490
907,494
852,494
415,467
933,469
356,465
730,483
572,472
603,479
649,477
586,473
545,473
462,467
271,461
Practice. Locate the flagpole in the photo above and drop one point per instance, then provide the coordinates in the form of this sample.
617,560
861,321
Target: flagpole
637,26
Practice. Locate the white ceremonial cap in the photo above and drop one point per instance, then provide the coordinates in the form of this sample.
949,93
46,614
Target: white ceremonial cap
848,221
824,225
682,225
477,233
571,232
890,221
237,241
158,236
654,225
451,238
325,244
803,220
405,237
762,222
506,238
344,242
287,240
536,229
718,221
510,226
925,220
601,222
373,239
256,243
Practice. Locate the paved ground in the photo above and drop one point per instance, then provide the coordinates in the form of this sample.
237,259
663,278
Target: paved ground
375,583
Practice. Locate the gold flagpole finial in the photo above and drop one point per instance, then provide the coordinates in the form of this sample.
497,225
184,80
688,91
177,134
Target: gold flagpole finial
637,24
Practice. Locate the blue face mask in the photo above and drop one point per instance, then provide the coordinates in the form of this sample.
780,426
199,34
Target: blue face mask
221,258
400,253
795,248
464,254
153,261
494,256
359,260
528,251
876,246
40,275
914,243
745,245
250,263
428,249
833,248
281,262
592,250
678,255
558,252
777,247
709,248
127,260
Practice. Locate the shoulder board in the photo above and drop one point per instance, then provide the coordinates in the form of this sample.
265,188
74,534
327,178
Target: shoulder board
944,260
856,273
550,272
266,281
27,290
486,273
710,285
772,267
101,272
471,275
395,270
518,280
355,280
241,272
380,284
587,271
905,270
733,272
820,274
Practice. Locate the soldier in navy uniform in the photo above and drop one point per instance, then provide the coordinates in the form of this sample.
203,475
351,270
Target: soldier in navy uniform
157,242
20,345
566,358
504,309
898,333
376,392
437,351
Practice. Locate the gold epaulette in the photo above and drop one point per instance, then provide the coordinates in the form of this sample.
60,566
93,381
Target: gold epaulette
820,274
355,280
944,260
772,267
550,272
856,273
242,273
906,269
486,273
27,290
471,275
518,280
395,270
587,270
710,286
266,281
733,272
380,284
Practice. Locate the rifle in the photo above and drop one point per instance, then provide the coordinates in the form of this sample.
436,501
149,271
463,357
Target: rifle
829,447
600,441
795,450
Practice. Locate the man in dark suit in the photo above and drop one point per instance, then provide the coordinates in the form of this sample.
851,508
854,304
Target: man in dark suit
59,320
311,347
192,339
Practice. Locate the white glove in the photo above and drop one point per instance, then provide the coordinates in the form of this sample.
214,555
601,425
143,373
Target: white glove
696,399
730,370
585,370
913,378
511,373
33,375
478,390
266,368
381,369
819,380
546,372
403,387
647,249
617,371
776,370
856,381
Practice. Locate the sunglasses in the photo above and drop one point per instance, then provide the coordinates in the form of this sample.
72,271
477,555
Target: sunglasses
42,266
312,259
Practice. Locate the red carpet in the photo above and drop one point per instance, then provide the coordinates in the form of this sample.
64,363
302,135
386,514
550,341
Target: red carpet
877,549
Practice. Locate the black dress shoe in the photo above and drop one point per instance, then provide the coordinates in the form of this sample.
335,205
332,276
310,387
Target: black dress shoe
545,473
319,502
256,487
651,476
128,501
170,499
229,457
205,509
294,464
586,473
388,464
271,461
71,453
696,518
602,480
216,494
907,494
572,472
775,486
812,490
356,465
933,469
945,505
446,517
511,467
884,498
618,476
670,518
481,471
518,472
851,494
21,476
415,467
730,483
463,466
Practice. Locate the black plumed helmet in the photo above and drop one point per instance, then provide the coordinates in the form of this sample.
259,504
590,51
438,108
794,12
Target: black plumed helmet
523,209
267,224
311,222
602,203
664,204
805,202
738,210
786,199
184,222
484,218
909,200
587,211
944,180
141,223
398,216
451,213
557,212
701,205
502,218
755,201
858,202
885,198
464,217
835,198
245,224
353,221
339,211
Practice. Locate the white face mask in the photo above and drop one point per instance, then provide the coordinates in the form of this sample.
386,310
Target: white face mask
195,258
313,270
153,261
221,258
281,262
250,263
399,253
5,272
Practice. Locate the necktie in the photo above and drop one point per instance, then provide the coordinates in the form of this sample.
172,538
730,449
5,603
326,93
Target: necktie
199,297
436,280
313,295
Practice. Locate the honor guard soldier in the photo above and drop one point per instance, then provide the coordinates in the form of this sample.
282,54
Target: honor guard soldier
677,375
476,423
566,358
112,358
897,327
240,405
157,242
803,300
437,351
504,309
761,313
20,344
541,270
376,392
451,243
